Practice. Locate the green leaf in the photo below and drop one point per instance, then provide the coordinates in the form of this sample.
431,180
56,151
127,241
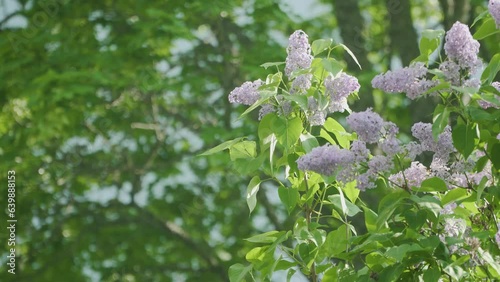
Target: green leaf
238,271
440,120
344,205
301,100
480,17
478,114
331,274
268,237
399,252
287,131
272,64
324,134
432,274
343,138
252,189
429,43
265,126
495,155
221,147
455,195
486,29
284,264
428,202
308,141
492,263
370,219
351,191
336,241
256,254
320,45
433,184
350,54
289,275
455,272
491,70
463,139
243,150
388,205
289,196
331,65
392,272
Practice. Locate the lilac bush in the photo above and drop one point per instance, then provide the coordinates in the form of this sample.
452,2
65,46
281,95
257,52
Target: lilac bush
437,219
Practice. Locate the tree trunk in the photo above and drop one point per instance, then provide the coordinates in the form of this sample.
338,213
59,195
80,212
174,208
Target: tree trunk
401,31
351,26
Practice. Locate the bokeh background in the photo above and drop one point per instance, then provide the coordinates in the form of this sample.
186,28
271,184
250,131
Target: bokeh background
105,105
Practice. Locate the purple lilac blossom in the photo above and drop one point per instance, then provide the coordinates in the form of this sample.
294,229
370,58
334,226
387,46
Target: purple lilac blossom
410,80
494,8
360,151
451,72
414,175
454,227
365,181
413,149
339,88
390,146
266,109
442,148
461,47
301,83
367,125
379,164
449,208
299,53
326,159
315,115
247,93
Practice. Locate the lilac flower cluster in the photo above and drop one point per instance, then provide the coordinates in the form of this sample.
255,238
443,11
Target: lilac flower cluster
266,109
461,47
338,89
246,94
367,125
412,176
356,164
410,80
316,115
494,8
462,62
299,58
485,104
458,174
326,159
441,148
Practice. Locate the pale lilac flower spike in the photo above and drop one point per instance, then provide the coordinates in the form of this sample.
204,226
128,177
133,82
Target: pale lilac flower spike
326,159
494,8
299,52
461,47
299,58
246,94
